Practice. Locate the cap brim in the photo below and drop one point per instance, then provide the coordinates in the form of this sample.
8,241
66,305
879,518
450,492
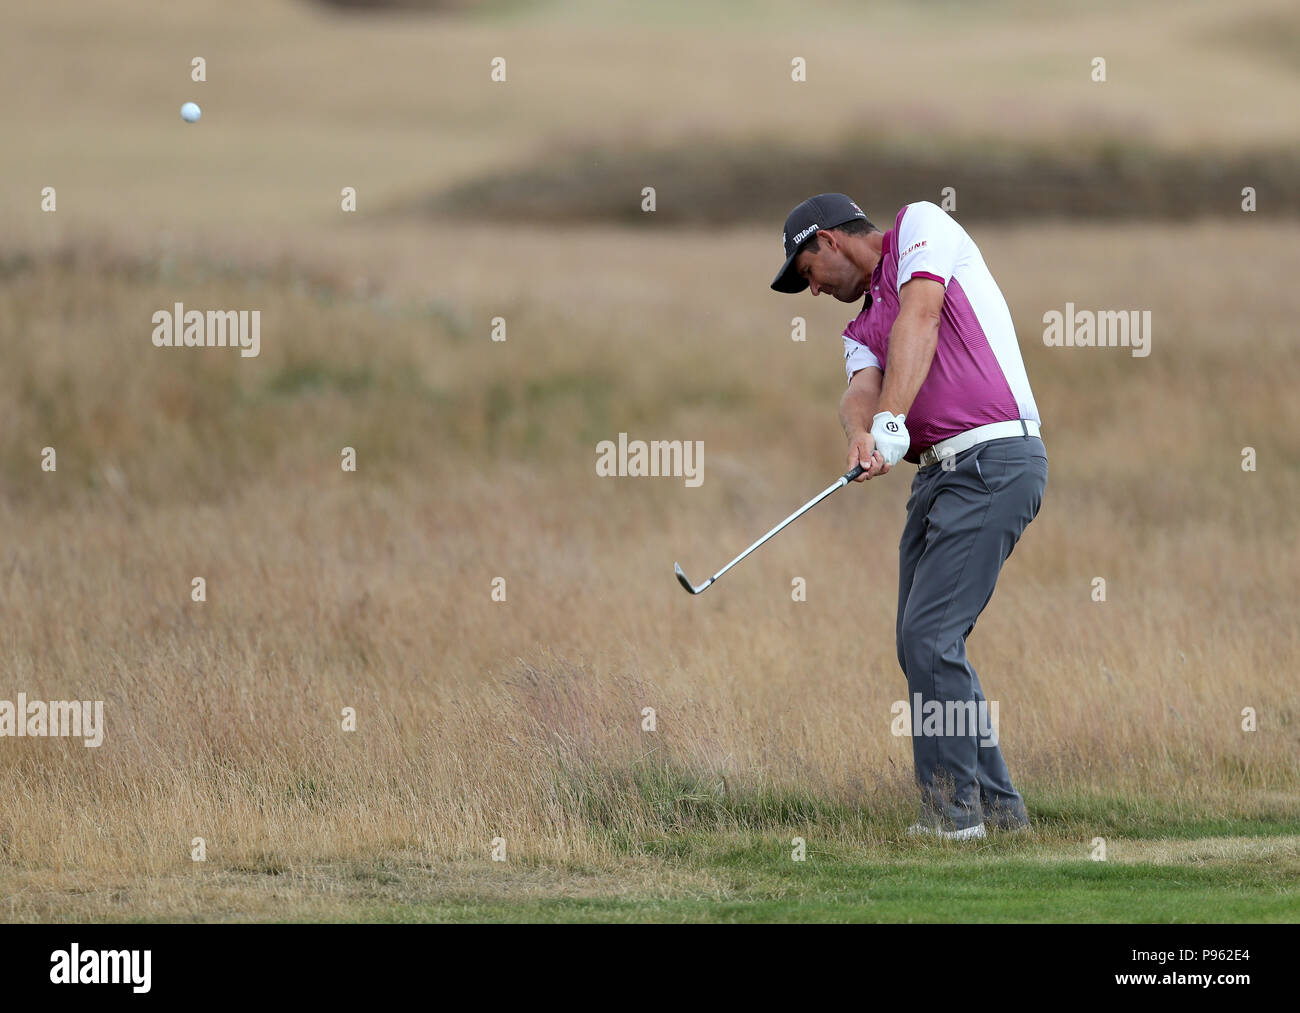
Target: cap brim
789,280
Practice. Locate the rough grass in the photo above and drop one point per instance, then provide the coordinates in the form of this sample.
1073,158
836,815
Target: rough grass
521,719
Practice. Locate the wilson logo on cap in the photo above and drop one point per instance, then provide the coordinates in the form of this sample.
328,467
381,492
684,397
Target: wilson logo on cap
799,237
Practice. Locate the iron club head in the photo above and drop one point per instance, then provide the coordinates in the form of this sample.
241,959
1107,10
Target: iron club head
681,578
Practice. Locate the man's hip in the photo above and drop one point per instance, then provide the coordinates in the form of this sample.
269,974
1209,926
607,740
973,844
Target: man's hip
954,445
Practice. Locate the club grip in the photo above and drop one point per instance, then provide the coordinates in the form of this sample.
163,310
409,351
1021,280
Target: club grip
851,475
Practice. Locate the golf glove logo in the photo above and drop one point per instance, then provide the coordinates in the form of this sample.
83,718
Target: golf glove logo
891,437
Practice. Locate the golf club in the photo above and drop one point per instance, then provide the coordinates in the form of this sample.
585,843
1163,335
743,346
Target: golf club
842,481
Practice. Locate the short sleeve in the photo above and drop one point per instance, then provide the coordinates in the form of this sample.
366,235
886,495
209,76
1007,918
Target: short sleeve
930,244
857,356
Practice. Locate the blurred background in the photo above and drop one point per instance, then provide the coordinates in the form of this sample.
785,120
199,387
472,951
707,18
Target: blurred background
522,199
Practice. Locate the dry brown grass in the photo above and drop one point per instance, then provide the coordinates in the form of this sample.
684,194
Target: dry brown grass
300,103
372,590
520,719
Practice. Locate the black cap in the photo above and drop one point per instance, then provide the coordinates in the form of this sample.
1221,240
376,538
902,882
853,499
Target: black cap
825,211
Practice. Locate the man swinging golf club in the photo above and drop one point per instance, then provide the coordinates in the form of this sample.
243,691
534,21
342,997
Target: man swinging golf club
935,378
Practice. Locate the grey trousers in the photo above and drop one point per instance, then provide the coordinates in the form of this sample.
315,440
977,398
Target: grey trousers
964,516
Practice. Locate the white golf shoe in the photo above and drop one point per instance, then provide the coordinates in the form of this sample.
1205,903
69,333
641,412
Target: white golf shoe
969,834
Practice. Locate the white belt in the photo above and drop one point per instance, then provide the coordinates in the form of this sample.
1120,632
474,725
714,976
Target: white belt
973,437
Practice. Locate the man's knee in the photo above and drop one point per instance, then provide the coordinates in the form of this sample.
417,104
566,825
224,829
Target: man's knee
917,636
924,644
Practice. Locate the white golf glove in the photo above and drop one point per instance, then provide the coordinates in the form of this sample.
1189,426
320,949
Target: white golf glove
890,434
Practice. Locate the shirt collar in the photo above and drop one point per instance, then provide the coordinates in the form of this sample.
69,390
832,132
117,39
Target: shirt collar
886,246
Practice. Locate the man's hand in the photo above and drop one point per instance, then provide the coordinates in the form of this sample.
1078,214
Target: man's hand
890,436
862,450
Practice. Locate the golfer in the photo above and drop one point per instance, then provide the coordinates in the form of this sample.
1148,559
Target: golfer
936,379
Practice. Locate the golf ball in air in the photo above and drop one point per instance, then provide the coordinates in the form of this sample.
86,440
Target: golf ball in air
190,112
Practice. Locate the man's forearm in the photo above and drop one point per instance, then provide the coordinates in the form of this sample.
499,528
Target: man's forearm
857,407
912,343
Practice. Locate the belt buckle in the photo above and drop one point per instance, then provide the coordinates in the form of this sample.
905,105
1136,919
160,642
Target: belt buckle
932,455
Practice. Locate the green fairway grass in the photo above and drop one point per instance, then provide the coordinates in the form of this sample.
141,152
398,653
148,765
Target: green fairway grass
982,887
1170,875
1251,877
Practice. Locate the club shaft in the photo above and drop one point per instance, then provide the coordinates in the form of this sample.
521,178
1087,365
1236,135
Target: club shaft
842,481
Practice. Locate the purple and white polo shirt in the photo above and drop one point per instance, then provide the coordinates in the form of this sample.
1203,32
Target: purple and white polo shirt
977,375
